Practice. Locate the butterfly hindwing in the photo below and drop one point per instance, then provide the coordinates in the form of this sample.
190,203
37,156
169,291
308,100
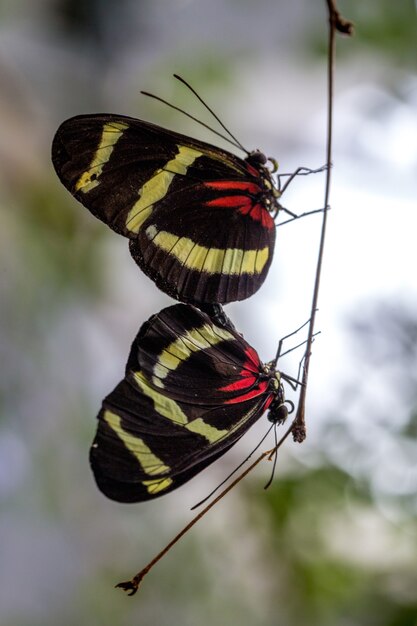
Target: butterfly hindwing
192,389
138,453
221,256
197,216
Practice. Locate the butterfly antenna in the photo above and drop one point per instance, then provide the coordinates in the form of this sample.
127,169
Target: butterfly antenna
236,468
216,117
275,458
236,144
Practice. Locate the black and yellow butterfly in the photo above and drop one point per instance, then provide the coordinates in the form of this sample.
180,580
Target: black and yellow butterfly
192,388
199,219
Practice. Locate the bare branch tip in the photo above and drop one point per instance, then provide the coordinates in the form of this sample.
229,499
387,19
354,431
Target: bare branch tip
338,22
345,27
299,433
129,586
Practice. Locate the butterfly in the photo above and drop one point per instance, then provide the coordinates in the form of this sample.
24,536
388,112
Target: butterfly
192,387
199,219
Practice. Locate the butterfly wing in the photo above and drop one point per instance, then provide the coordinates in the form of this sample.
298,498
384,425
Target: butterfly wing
195,214
192,389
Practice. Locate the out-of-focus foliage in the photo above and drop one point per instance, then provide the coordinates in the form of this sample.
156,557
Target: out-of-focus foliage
341,545
323,562
381,27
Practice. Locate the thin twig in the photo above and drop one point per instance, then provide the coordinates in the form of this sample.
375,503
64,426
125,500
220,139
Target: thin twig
336,22
131,586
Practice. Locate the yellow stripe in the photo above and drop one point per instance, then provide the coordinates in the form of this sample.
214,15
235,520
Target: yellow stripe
196,255
110,136
157,484
149,462
179,350
233,258
211,260
172,411
157,187
209,432
163,405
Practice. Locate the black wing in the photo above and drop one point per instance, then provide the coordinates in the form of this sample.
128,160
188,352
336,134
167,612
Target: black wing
192,389
195,214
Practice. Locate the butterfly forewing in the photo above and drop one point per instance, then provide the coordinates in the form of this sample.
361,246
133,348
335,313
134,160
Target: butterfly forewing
192,389
197,216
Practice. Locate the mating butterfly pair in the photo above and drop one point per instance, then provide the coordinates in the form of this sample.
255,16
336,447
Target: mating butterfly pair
200,225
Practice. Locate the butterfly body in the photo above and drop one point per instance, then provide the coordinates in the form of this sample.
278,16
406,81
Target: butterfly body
198,218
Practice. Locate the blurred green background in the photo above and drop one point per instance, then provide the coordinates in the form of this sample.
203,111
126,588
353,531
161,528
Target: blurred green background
334,539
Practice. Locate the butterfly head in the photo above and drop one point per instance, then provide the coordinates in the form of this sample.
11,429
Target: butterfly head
257,159
279,408
271,192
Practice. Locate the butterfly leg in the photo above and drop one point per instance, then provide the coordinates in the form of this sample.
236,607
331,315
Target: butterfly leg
300,171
